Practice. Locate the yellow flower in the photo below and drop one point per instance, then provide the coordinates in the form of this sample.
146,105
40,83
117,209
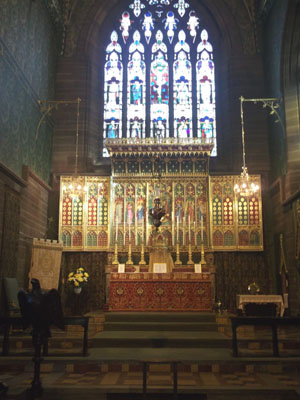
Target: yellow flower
71,274
76,283
80,269
86,274
80,279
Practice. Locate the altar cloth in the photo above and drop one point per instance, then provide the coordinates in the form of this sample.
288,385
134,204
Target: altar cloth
160,292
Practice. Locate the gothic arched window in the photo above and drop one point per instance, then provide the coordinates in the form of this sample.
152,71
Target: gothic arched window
159,76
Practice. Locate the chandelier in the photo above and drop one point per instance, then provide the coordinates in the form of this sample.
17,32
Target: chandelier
246,186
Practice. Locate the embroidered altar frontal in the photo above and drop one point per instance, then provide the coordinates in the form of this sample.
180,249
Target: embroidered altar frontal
160,292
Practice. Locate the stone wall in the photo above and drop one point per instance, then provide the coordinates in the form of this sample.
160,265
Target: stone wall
28,49
281,66
27,71
23,216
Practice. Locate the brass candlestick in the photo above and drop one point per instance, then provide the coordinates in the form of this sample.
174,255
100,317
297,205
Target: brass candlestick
190,261
142,262
202,253
129,261
177,262
115,261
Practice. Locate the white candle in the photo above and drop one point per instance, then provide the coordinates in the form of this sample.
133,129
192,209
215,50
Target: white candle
189,229
177,230
143,230
201,228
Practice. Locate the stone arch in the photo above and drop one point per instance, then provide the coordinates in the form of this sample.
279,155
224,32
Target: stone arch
84,49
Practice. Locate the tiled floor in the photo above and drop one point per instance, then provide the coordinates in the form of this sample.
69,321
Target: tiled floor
257,376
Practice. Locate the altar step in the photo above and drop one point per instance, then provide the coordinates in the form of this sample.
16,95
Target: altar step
160,326
160,330
160,339
130,317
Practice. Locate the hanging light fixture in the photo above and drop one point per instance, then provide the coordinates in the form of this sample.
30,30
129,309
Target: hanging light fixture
245,186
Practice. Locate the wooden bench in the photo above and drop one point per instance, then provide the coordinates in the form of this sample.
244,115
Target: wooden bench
7,322
273,322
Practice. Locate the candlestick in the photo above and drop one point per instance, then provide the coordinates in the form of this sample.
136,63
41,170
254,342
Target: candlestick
129,230
202,261
189,229
190,261
129,261
142,262
117,230
124,231
177,262
172,223
115,261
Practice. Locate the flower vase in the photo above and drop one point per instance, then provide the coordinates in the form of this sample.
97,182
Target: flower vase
77,290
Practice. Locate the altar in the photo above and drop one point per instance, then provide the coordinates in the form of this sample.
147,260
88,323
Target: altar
176,291
159,218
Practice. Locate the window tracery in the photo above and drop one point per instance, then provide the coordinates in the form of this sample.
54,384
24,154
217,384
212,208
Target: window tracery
159,76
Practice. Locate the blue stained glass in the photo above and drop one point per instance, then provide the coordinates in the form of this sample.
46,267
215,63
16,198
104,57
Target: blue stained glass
170,25
148,26
165,53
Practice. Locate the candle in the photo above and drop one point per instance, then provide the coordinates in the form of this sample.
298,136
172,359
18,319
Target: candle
117,229
172,227
189,229
129,229
177,230
201,228
124,231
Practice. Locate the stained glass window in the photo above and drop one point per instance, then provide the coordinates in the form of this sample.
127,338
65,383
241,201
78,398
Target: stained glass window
159,89
206,90
136,88
113,85
182,84
159,77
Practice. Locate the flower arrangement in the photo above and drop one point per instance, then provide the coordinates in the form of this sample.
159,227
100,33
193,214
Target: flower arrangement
78,278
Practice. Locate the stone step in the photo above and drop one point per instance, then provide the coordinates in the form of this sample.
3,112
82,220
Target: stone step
160,338
160,326
129,317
